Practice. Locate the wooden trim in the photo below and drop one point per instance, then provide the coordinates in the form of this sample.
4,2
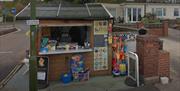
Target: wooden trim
46,23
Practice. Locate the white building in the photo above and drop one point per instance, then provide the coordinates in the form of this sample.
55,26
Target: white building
132,12
164,11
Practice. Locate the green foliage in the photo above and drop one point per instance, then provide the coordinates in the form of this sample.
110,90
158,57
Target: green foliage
150,18
48,0
8,4
0,13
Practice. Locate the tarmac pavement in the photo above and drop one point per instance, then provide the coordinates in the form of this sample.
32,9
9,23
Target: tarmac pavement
7,30
20,82
12,48
172,45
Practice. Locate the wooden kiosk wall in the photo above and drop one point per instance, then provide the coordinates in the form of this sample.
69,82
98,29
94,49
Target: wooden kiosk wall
59,63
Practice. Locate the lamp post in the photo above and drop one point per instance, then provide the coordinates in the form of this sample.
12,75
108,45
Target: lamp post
32,62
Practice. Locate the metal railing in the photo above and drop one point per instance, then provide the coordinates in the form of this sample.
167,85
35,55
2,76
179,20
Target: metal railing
153,25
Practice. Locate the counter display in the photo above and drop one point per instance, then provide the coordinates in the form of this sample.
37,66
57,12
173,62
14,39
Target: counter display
64,40
64,52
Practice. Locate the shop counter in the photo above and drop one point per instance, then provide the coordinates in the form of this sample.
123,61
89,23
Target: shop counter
65,52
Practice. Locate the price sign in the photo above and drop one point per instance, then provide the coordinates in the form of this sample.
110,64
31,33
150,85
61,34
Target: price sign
32,22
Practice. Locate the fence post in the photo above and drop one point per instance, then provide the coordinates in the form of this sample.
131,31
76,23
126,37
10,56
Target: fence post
140,25
165,28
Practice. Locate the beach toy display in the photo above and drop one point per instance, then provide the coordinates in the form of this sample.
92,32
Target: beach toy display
119,63
78,70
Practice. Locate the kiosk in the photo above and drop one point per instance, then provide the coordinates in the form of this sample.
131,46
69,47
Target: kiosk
68,30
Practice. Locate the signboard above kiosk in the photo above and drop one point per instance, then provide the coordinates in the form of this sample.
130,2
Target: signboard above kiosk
32,22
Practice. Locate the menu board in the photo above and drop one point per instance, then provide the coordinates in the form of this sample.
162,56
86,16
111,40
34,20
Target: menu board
100,58
100,45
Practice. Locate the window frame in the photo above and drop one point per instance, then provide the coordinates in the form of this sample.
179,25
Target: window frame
159,12
178,12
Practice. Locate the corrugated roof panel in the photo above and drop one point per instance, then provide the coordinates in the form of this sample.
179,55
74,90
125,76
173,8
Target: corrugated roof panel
46,11
75,12
69,12
98,11
41,12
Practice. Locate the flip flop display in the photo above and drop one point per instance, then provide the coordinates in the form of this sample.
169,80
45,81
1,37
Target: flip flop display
119,61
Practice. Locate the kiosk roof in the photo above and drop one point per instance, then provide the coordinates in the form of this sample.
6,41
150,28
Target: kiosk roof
85,11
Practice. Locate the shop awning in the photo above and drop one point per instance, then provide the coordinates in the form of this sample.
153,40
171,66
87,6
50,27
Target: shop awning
62,11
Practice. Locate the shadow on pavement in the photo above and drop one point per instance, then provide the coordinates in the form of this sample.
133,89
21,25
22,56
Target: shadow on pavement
144,88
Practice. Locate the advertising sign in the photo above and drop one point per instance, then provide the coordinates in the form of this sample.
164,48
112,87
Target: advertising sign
100,45
32,22
100,27
42,71
100,58
133,67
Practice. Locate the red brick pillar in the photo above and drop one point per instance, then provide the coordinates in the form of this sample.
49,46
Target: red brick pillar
140,25
164,64
165,28
147,48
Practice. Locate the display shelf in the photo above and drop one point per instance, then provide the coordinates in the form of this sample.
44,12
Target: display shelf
65,52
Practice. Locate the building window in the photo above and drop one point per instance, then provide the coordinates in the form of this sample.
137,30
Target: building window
129,14
139,14
159,11
164,11
153,11
134,14
176,12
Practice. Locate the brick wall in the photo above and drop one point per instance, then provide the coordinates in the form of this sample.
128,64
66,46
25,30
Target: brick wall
147,50
164,65
165,28
155,31
160,30
152,61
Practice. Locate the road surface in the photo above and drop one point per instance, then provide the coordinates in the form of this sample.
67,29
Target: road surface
12,49
172,45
